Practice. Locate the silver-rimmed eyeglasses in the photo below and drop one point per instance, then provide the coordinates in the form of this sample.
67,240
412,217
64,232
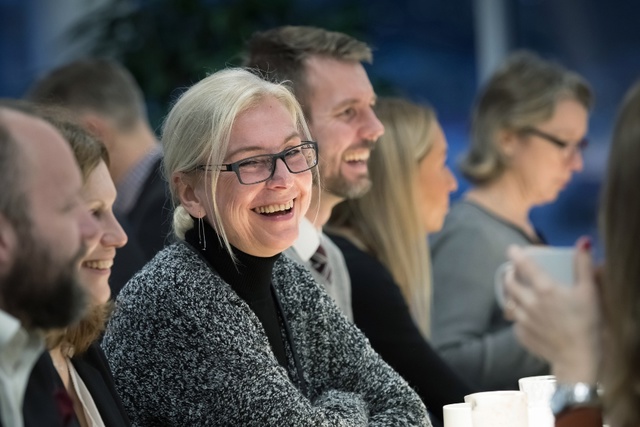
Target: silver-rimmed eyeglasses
256,169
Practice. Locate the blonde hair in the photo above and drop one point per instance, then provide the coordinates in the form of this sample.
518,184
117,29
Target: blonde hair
388,220
620,226
523,92
198,128
77,338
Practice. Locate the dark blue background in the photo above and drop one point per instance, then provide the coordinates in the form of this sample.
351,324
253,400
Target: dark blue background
425,50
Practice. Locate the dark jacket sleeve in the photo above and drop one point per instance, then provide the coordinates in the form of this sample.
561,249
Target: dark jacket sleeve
152,216
42,405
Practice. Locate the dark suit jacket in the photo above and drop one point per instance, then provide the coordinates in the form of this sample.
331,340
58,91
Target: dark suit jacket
148,227
152,215
94,370
41,408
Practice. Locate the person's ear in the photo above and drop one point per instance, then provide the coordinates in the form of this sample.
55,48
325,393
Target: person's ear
508,141
8,243
188,195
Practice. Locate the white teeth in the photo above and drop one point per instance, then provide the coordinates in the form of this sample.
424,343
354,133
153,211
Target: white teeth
362,156
274,208
98,265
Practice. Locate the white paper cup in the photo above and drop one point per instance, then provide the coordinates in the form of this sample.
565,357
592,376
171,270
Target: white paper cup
539,390
556,262
499,409
457,415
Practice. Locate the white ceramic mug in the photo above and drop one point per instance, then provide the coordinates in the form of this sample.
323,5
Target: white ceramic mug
539,390
457,415
556,262
499,409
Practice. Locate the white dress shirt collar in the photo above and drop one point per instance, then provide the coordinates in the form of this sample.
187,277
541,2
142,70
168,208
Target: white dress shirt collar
19,351
308,240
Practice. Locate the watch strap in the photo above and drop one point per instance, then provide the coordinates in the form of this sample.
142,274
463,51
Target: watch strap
567,396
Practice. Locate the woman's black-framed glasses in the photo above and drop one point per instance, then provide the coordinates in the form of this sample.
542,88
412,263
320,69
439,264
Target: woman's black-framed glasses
568,149
257,169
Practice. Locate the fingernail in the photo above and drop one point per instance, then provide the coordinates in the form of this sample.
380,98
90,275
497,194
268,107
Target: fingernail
585,243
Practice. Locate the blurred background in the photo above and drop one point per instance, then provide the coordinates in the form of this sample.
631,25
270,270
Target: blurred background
436,51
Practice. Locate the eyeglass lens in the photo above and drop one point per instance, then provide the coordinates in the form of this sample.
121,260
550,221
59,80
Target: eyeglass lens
260,168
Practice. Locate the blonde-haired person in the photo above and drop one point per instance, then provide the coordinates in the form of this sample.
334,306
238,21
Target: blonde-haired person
383,236
589,332
75,351
219,329
528,132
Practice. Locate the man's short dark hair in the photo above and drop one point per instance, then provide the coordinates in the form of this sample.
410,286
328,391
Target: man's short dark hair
100,86
280,53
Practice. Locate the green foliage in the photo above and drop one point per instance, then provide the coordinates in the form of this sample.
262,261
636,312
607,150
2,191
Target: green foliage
170,44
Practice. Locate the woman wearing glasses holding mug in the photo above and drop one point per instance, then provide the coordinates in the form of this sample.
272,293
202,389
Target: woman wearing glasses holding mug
528,131
219,329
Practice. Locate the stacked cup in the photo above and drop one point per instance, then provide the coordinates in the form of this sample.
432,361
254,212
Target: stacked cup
529,407
539,390
498,409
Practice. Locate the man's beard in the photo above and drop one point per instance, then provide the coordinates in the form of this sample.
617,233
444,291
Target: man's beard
340,187
41,292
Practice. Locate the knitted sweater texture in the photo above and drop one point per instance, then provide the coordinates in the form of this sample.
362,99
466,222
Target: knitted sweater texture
186,350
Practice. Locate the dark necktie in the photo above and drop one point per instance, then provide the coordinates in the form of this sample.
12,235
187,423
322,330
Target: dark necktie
320,263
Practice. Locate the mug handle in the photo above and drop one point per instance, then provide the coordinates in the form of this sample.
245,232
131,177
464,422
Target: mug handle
501,271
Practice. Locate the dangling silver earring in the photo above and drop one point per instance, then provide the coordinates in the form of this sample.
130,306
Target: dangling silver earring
202,239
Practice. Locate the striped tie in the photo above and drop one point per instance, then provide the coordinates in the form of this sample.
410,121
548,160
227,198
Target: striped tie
320,263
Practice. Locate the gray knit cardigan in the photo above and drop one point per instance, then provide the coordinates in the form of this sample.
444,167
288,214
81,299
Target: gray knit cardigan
186,350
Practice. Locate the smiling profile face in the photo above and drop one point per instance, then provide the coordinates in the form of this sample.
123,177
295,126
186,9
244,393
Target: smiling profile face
55,237
261,219
98,194
342,120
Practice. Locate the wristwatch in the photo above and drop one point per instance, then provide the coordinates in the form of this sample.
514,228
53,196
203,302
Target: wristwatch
576,395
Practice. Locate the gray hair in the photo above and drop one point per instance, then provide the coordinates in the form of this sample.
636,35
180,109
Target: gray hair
521,93
198,129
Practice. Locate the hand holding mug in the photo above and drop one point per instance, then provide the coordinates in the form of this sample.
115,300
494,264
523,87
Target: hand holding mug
560,323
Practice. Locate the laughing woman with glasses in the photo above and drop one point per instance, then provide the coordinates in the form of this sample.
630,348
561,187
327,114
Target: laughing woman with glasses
219,329
528,132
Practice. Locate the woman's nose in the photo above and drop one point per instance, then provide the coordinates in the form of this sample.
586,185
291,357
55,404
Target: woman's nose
281,174
114,234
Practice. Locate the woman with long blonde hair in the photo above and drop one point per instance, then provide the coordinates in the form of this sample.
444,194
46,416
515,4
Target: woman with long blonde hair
383,236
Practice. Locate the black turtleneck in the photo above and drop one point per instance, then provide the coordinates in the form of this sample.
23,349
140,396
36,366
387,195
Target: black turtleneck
250,278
